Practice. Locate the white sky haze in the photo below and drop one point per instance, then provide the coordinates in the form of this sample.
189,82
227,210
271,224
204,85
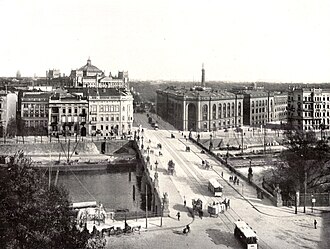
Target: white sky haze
248,40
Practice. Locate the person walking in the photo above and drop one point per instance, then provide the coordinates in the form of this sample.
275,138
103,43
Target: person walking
237,181
228,203
315,223
178,214
184,201
188,228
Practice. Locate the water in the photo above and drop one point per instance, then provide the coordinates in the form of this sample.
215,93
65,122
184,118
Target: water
113,188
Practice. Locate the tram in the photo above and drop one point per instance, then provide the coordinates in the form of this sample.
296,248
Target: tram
244,233
215,187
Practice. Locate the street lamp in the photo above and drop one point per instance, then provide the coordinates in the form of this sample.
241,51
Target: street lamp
156,164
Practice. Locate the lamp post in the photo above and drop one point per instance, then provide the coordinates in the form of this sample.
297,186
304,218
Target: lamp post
227,155
162,212
141,142
148,149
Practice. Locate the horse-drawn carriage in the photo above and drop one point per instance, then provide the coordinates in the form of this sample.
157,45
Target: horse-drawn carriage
171,167
197,206
206,164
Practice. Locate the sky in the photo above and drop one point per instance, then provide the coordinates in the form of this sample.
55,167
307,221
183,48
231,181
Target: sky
237,40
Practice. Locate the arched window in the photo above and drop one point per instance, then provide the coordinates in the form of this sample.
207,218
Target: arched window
252,104
214,112
263,102
204,112
239,108
233,109
228,107
219,111
224,110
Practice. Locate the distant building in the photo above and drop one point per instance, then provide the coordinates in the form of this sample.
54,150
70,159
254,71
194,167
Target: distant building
53,74
309,108
89,76
200,108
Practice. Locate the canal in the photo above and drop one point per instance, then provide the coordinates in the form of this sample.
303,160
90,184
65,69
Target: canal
118,188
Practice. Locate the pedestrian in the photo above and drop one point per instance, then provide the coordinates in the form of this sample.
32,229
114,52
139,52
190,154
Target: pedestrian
188,228
237,181
222,174
184,201
228,203
315,223
178,214
234,180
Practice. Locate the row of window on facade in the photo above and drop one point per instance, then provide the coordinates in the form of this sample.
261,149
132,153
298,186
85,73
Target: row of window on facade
312,122
224,111
109,128
109,108
36,123
309,98
261,103
111,118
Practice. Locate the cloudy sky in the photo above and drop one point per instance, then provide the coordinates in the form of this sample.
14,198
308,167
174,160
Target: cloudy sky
247,40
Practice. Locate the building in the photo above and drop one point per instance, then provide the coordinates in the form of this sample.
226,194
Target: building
68,114
110,110
280,107
53,74
8,103
258,107
309,108
200,108
33,109
89,76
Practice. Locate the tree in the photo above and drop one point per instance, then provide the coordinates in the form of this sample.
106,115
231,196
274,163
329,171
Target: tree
306,159
33,214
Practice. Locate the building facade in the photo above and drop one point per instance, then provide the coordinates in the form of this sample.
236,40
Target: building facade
68,114
309,108
200,108
33,109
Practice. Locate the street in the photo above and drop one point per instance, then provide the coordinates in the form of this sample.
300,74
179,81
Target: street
276,227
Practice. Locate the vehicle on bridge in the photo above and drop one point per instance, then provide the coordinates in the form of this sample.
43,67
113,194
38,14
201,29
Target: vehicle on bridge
244,233
215,187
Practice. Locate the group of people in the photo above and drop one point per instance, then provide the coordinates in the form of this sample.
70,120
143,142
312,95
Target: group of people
234,179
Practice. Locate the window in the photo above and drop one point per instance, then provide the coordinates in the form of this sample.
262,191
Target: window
70,110
75,110
101,108
224,110
101,119
63,111
123,118
214,112
219,111
204,112
239,109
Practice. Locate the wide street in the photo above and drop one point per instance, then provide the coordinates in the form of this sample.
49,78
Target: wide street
276,227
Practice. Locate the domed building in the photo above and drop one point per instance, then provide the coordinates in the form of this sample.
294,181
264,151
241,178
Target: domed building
89,76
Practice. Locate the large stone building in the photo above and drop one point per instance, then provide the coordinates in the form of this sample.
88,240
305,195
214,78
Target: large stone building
110,111
309,108
68,114
200,108
33,108
89,76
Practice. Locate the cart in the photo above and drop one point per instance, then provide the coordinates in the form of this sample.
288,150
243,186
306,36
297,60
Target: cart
215,209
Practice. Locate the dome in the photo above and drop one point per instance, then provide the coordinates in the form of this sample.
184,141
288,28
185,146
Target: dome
90,68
